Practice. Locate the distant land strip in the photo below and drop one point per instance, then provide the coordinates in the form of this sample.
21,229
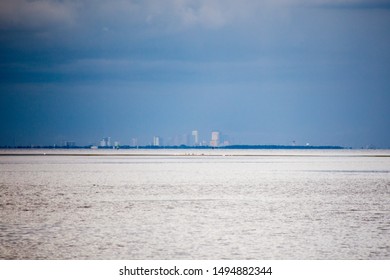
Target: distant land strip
50,154
182,147
203,151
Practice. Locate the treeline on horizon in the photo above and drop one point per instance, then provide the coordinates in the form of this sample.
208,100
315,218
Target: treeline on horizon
241,147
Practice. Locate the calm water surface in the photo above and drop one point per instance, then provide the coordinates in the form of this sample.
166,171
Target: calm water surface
199,204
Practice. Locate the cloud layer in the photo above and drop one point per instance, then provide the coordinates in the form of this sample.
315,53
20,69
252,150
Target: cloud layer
271,70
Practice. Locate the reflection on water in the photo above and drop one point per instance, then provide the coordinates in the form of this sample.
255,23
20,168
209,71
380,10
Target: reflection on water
177,205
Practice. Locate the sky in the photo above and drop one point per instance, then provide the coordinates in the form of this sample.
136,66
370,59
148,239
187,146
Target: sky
260,72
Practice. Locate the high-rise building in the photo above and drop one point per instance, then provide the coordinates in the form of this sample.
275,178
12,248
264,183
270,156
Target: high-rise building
156,141
195,138
105,142
69,144
214,139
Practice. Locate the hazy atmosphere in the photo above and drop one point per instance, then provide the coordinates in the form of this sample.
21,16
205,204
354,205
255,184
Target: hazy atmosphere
260,72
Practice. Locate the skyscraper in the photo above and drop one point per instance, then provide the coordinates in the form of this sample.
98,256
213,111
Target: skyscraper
105,142
69,144
214,139
156,141
195,139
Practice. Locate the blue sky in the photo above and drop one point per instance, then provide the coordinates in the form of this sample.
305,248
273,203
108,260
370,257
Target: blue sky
262,72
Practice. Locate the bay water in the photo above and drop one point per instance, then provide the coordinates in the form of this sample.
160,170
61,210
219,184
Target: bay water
195,204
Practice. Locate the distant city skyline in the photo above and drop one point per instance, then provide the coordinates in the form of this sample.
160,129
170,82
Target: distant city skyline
212,138
216,139
261,72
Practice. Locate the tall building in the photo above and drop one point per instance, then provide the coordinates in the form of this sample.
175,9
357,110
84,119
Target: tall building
195,138
105,142
69,144
156,141
214,139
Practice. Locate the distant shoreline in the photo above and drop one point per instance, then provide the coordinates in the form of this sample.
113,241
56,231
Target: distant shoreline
230,151
182,147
